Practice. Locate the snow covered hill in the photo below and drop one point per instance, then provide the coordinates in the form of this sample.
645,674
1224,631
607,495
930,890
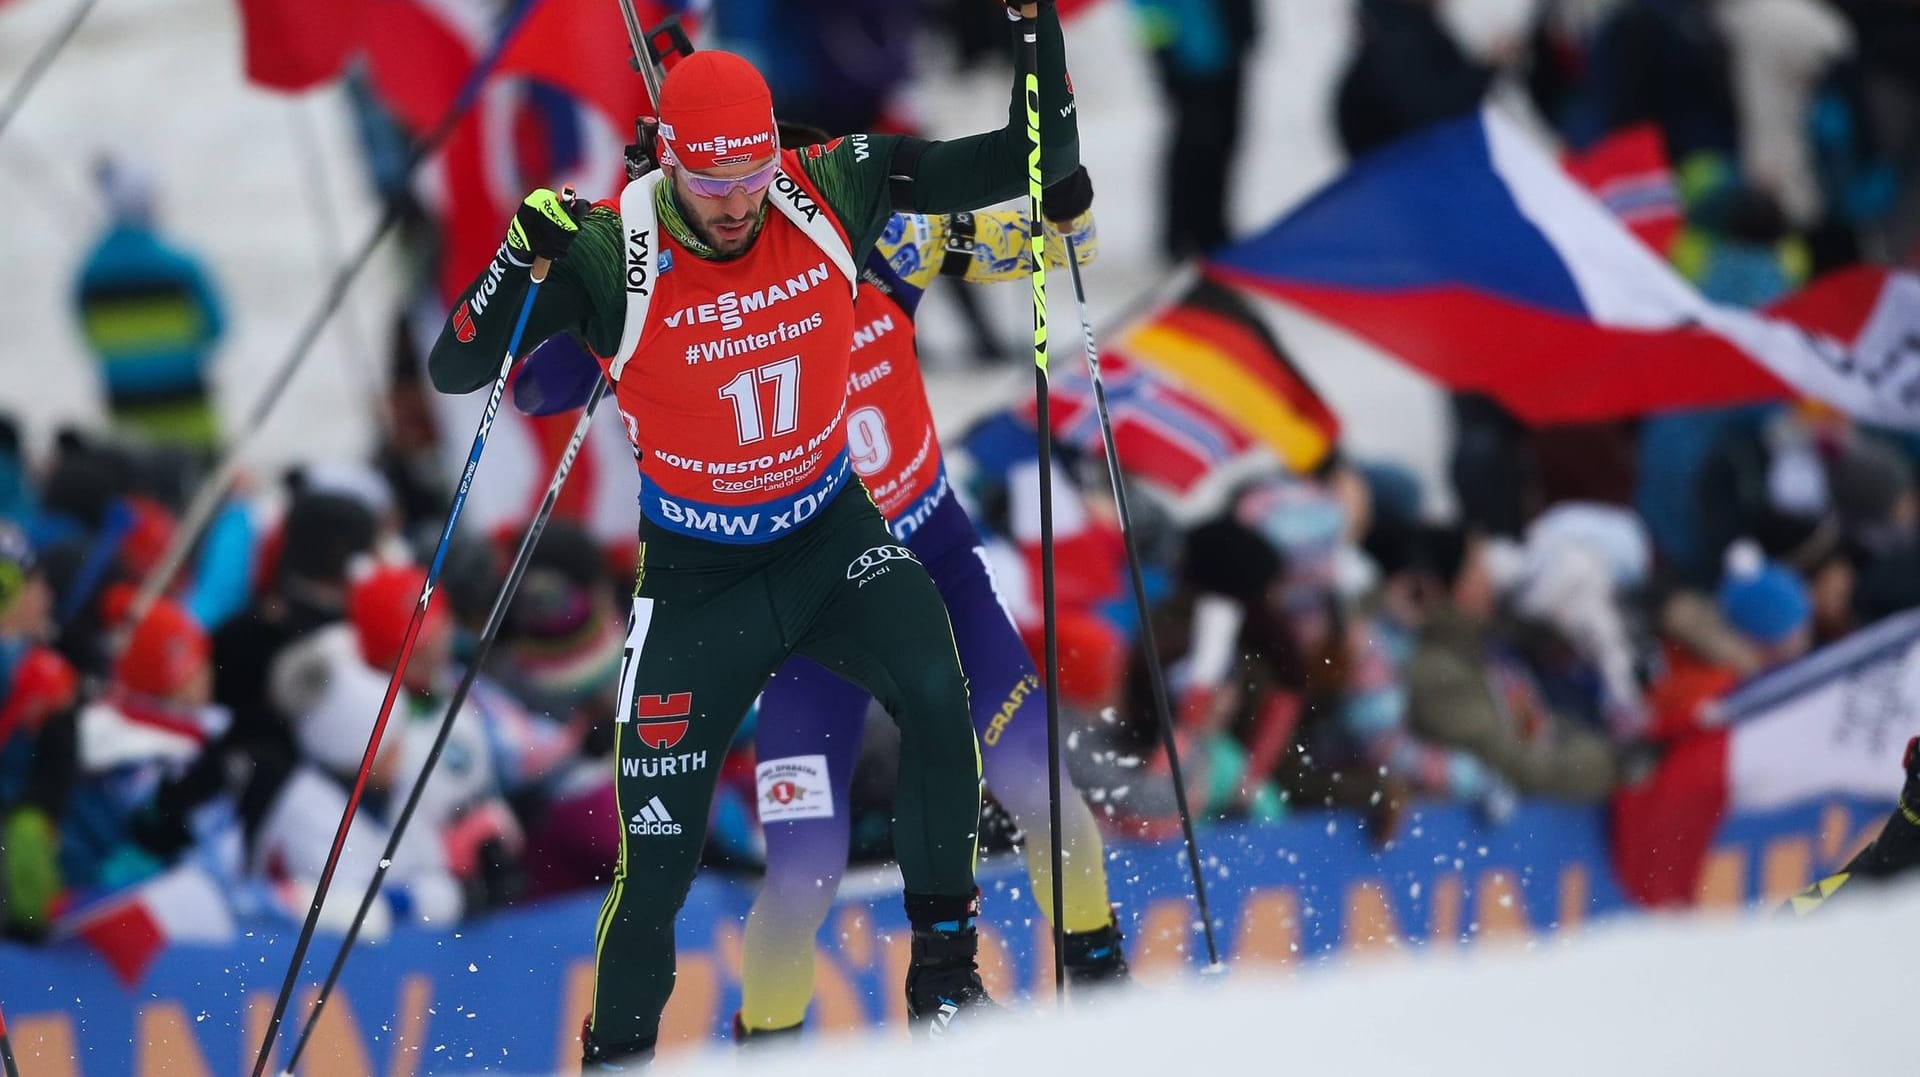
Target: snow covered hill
1647,997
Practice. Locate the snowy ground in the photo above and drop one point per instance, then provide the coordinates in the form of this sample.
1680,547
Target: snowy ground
269,188
1645,998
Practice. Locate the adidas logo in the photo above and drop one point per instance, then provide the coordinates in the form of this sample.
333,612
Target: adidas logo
652,820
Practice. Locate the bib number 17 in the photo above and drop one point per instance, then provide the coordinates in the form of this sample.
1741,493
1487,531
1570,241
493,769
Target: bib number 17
744,392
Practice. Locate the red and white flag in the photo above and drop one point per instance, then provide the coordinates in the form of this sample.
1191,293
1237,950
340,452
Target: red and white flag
1830,726
131,928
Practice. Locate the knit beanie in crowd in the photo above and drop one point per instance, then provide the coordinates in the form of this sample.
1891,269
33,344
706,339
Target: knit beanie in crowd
165,653
563,642
1762,600
1443,551
715,110
1306,524
321,535
1224,557
84,482
380,606
1867,481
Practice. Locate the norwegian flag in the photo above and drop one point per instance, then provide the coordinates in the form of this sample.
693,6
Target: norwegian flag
1630,174
1162,434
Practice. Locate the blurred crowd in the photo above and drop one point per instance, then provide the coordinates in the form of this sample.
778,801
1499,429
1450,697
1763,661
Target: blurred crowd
1324,642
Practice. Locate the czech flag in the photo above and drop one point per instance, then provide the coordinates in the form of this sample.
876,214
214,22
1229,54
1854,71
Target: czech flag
1466,252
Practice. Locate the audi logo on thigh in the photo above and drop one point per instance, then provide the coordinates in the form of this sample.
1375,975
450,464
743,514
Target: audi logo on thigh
876,557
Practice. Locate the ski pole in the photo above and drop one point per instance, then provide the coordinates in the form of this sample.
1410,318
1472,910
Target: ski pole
1155,675
495,619
17,96
6,1049
1037,248
206,500
539,274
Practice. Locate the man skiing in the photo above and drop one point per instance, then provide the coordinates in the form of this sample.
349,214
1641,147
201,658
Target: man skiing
810,724
720,296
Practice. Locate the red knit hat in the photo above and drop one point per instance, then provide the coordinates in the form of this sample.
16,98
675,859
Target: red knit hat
165,653
380,607
1093,657
716,110
148,536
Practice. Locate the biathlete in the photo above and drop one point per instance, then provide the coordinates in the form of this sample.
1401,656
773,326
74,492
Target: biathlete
811,721
719,294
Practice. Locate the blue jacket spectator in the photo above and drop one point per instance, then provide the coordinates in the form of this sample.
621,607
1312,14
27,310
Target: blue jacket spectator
151,316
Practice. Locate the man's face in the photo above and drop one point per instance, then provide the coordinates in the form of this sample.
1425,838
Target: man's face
725,222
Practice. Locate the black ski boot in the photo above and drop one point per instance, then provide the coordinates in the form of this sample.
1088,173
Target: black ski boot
1894,851
596,1057
943,982
1094,959
756,1038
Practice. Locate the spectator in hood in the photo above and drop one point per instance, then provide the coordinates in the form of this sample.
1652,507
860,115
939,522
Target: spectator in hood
465,804
1766,605
304,589
1464,693
1664,825
1567,583
564,637
152,318
1329,676
1410,590
1218,642
333,681
153,721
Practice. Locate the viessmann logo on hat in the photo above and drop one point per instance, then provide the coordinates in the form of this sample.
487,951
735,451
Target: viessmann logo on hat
728,144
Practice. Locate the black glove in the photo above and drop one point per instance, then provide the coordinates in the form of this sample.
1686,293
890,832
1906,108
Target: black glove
1065,201
544,226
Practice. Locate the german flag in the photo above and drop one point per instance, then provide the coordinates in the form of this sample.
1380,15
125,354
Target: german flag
1214,345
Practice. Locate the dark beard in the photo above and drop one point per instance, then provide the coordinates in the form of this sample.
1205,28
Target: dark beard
706,237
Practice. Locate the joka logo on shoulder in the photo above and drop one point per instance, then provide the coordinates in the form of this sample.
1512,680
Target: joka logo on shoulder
649,712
